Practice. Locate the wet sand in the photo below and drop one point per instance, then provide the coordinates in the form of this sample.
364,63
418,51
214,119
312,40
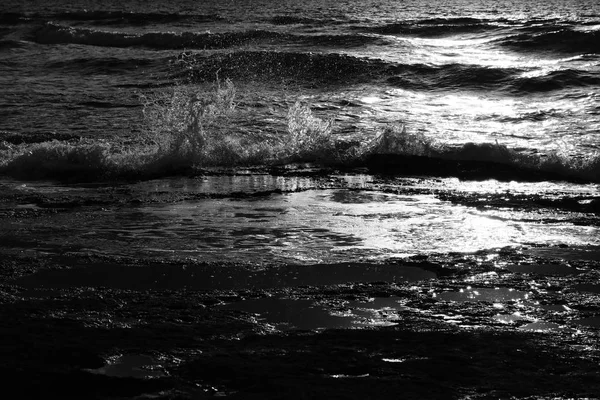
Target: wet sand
85,322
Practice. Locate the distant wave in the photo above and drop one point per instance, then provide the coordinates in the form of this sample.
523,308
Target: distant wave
542,35
422,76
562,39
309,67
556,80
303,20
130,18
333,68
52,33
434,27
115,18
296,19
333,41
475,77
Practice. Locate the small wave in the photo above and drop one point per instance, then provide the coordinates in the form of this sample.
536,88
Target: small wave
338,41
423,76
293,20
512,80
445,28
455,21
556,80
52,33
332,68
564,40
131,18
310,68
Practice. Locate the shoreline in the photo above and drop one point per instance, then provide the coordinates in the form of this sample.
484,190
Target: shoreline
89,316
184,344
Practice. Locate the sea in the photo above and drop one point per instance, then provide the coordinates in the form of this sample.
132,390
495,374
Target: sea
331,135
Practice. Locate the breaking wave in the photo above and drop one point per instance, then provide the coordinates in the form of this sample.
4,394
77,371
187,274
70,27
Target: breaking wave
188,130
399,152
93,160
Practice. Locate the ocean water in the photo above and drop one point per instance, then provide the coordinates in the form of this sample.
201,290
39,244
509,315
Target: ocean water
302,133
516,74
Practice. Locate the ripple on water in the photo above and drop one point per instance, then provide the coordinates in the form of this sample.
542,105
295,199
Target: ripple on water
587,287
544,326
543,269
590,322
308,226
508,318
218,277
557,308
471,294
131,366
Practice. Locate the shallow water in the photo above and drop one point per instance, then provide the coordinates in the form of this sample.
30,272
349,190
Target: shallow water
132,366
494,295
300,314
201,277
307,226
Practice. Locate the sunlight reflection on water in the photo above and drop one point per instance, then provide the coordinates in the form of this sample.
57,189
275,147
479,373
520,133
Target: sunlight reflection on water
320,226
310,226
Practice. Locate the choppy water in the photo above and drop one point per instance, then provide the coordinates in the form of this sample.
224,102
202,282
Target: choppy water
505,90
518,74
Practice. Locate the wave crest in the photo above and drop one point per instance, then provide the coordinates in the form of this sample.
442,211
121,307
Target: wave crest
190,128
397,151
